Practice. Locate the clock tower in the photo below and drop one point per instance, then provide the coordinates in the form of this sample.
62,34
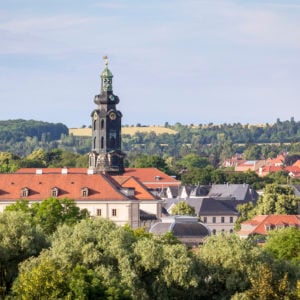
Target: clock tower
106,155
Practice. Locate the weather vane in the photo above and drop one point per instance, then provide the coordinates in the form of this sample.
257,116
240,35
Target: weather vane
105,57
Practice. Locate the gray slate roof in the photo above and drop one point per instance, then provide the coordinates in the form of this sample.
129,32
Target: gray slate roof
240,192
181,227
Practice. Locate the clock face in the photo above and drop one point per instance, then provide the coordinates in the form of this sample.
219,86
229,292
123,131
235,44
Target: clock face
111,97
95,116
112,116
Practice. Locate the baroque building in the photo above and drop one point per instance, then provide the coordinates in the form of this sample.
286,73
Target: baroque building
105,188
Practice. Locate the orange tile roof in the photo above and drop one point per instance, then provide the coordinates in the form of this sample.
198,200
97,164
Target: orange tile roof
258,224
150,177
53,170
293,169
297,163
100,187
275,161
141,192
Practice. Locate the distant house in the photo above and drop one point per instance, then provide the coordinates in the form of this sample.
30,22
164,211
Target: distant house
266,170
186,229
232,162
249,165
262,224
294,170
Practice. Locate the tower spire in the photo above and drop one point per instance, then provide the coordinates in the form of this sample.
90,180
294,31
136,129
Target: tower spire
105,58
106,155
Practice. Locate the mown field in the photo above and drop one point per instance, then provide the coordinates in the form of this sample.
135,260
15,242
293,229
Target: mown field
125,130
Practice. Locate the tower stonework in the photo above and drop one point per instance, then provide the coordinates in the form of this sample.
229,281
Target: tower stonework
106,155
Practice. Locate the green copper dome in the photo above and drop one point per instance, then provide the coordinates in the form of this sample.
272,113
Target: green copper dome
106,73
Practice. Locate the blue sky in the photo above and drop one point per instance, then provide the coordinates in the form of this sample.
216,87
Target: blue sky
191,61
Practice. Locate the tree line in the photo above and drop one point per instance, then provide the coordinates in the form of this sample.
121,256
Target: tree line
217,142
53,250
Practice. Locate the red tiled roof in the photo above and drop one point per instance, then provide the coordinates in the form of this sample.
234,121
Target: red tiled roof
297,163
277,160
141,192
293,169
53,170
68,185
150,177
258,224
71,183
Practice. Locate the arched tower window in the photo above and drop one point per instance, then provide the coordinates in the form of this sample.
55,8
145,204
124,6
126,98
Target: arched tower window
102,124
102,142
95,124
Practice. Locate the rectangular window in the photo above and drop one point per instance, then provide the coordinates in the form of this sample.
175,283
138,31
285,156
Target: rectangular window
204,219
114,212
231,219
214,219
98,212
222,219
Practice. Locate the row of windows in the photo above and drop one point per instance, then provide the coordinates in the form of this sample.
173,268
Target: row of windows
113,212
95,124
214,219
25,192
214,231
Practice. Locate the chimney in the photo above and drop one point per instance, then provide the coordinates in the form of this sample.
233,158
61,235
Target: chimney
64,170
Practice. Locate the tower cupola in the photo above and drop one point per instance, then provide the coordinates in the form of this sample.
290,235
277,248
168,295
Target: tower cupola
106,77
106,155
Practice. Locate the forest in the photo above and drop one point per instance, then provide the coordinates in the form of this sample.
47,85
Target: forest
53,250
217,142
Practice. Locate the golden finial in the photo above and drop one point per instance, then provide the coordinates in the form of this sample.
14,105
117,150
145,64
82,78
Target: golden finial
105,57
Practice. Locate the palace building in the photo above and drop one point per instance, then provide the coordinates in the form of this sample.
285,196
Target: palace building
105,188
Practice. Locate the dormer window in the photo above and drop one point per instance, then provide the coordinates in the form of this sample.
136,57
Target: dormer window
25,192
84,192
54,192
268,227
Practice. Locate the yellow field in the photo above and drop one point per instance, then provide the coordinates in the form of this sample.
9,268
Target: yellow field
125,130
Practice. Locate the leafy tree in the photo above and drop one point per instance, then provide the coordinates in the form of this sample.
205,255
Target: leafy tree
197,176
150,161
109,260
238,268
193,161
182,208
265,287
277,199
8,162
284,244
247,212
19,239
52,212
228,261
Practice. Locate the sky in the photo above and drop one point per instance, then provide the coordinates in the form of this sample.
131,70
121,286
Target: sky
187,61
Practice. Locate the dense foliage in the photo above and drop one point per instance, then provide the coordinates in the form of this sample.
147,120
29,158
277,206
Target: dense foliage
96,259
277,199
215,142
